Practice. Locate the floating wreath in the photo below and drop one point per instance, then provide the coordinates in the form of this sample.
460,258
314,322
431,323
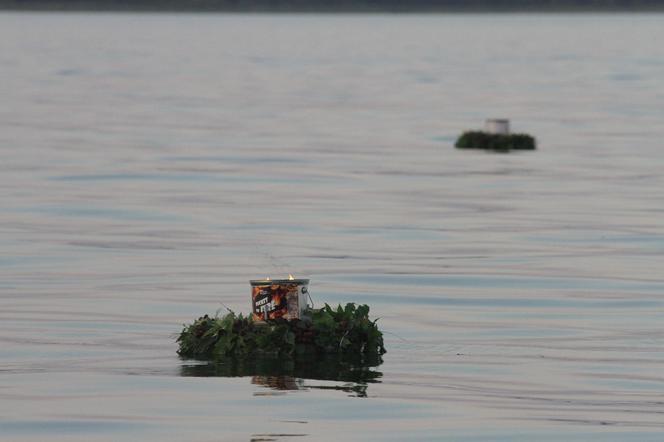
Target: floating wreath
344,331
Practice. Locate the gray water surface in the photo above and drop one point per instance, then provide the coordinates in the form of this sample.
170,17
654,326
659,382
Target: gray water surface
153,163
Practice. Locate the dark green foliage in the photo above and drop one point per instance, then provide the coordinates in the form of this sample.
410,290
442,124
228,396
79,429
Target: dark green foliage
501,143
345,331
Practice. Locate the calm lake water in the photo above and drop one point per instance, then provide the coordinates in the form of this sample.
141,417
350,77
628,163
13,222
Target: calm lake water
152,164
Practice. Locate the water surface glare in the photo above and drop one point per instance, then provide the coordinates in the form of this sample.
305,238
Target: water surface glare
153,163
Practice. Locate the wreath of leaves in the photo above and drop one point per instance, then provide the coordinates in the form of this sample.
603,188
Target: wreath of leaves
496,142
344,331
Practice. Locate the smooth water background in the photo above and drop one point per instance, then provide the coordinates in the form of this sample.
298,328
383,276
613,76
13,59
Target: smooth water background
152,164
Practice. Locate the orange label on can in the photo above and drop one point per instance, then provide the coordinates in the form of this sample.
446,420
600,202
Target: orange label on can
278,300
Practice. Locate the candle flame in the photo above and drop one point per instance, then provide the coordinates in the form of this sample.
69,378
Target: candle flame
290,277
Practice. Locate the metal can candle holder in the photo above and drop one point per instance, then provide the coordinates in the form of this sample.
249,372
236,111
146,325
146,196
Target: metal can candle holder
279,298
